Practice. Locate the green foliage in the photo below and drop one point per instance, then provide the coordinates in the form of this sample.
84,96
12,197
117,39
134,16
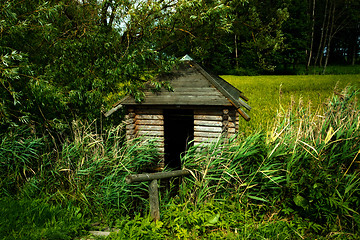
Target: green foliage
307,167
226,219
299,179
19,159
37,219
89,170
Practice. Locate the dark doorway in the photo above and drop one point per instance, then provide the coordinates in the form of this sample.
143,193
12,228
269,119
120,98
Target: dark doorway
179,131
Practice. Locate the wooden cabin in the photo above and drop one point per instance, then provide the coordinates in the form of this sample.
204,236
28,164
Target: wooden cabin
201,108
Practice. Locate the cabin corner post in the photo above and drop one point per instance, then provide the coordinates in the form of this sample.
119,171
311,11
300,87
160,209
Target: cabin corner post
225,122
130,124
237,120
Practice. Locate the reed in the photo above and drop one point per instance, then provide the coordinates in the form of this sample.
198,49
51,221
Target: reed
307,165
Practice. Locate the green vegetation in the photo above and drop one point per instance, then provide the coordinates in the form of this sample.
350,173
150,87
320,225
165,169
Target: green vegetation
270,94
298,180
36,219
62,165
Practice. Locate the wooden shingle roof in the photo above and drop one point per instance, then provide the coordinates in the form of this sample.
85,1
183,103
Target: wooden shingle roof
194,86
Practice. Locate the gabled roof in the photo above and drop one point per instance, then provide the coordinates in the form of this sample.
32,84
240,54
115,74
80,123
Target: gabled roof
194,86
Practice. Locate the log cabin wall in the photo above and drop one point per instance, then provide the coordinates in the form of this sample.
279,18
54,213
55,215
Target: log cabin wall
148,123
210,124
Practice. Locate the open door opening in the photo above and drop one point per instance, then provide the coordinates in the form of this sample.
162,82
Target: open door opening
178,131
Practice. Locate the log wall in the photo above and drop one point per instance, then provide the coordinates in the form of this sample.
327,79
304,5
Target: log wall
147,123
209,124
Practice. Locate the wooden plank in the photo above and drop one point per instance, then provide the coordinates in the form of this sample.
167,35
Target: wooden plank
191,89
160,150
149,117
130,132
207,129
130,126
129,121
204,139
190,81
207,117
184,98
149,128
207,134
228,124
231,130
151,133
158,122
187,100
207,123
179,93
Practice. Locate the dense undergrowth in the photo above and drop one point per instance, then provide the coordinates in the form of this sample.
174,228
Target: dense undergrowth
298,180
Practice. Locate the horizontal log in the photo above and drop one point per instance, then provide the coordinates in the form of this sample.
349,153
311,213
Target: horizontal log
208,117
152,176
207,129
207,134
130,126
231,130
130,132
228,124
150,133
129,121
146,111
149,117
149,128
207,123
205,139
157,122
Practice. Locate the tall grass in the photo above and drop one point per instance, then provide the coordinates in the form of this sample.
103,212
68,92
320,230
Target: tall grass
89,171
307,166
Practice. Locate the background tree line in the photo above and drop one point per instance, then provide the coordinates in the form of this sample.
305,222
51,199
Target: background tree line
63,60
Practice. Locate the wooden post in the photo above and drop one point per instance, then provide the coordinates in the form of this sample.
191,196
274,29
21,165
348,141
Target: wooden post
153,187
154,200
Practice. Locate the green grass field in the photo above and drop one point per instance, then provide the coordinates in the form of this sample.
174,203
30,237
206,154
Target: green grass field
270,94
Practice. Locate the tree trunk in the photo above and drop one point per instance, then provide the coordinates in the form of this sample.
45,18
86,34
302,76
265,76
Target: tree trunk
312,35
326,37
322,41
331,34
236,52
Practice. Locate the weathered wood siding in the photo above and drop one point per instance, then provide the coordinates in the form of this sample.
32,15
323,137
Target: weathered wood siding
210,124
148,123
